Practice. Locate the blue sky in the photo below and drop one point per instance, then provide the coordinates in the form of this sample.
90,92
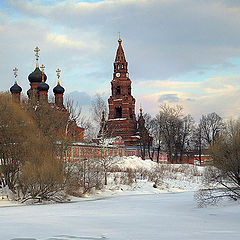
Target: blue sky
183,52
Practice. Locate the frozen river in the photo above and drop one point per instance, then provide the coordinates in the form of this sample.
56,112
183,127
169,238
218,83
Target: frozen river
131,217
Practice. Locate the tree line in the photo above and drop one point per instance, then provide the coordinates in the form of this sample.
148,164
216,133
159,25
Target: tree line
178,134
35,143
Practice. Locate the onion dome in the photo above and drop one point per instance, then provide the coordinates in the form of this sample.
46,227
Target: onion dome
36,76
43,87
58,89
15,89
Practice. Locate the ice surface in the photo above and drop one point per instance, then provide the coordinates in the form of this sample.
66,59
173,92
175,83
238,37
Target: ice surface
128,217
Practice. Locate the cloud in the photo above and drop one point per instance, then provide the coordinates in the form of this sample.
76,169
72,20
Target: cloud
163,40
220,94
169,98
79,98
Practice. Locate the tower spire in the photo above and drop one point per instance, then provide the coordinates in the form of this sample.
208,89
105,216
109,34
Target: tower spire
119,38
37,50
120,56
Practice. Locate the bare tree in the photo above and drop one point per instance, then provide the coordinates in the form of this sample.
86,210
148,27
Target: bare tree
198,144
98,107
169,121
223,178
184,134
76,116
16,130
211,126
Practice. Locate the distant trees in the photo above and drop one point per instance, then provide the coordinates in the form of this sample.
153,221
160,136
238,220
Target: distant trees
179,135
173,131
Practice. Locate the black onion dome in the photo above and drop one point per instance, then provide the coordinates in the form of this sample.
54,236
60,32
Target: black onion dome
43,87
58,89
15,89
36,76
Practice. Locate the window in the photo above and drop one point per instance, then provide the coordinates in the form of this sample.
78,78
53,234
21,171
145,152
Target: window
118,90
118,112
130,113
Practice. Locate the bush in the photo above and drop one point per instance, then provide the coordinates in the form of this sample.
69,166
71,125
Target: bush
223,179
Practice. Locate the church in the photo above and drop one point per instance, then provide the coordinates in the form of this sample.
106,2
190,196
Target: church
121,117
129,135
38,93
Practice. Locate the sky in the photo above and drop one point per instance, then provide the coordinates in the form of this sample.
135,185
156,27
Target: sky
183,52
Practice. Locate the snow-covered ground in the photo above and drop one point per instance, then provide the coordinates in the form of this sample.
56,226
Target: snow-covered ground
123,211
133,217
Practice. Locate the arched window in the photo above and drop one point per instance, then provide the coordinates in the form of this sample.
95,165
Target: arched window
118,92
118,112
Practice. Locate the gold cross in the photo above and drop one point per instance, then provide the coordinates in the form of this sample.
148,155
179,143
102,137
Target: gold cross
37,50
119,39
15,74
42,67
58,74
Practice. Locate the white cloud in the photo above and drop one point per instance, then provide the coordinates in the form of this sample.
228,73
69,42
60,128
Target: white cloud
162,39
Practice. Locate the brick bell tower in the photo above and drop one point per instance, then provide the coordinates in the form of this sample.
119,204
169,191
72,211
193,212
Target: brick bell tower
121,119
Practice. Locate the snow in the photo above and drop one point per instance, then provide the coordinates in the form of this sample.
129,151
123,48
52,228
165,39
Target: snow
141,217
117,119
133,162
137,211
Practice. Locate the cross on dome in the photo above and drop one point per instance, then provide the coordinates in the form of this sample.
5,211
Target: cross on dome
58,75
37,50
15,74
42,67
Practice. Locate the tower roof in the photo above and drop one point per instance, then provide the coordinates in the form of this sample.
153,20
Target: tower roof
120,56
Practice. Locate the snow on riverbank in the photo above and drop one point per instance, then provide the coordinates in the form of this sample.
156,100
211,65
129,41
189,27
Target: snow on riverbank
135,163
173,178
133,176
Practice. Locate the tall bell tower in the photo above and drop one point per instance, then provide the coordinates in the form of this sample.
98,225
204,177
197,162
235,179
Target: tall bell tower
122,119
